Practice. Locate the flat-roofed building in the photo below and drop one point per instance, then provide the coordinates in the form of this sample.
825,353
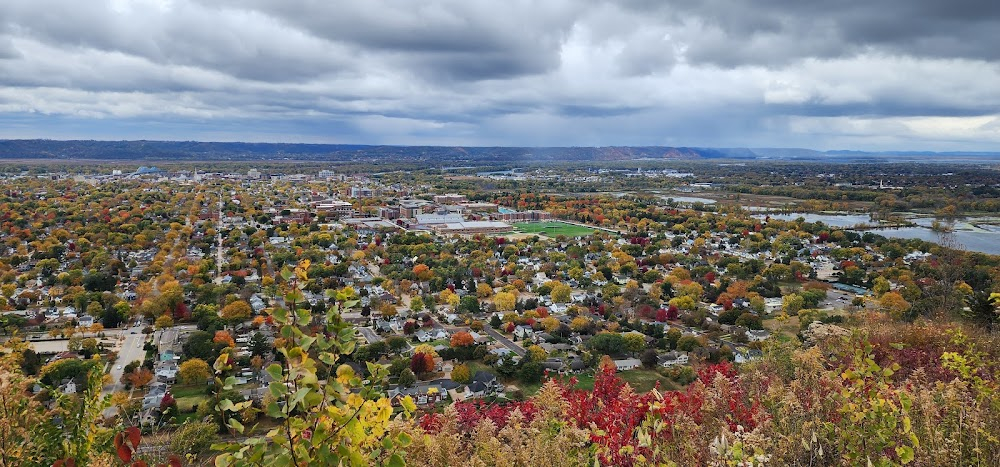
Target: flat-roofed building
450,198
473,228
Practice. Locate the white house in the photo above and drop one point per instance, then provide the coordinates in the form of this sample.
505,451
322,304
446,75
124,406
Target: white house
627,364
758,335
673,358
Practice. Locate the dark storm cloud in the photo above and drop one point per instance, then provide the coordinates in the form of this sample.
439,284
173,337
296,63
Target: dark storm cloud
548,72
733,33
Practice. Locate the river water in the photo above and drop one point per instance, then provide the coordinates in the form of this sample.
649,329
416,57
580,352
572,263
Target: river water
970,234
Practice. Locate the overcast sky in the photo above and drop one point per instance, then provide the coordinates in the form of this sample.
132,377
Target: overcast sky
844,74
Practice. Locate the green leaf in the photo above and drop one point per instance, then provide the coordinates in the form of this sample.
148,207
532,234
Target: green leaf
405,439
905,454
277,389
280,314
304,317
274,410
236,425
328,357
396,461
274,370
306,342
226,405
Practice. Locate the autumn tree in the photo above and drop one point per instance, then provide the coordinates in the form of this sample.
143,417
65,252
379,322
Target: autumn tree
894,304
223,337
505,301
163,322
561,293
462,339
140,377
460,374
236,312
484,290
194,371
421,363
536,353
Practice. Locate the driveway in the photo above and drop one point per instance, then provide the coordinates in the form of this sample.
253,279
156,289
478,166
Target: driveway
369,335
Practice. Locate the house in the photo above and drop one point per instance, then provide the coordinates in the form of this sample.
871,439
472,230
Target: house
746,355
540,337
758,335
383,326
478,338
555,365
257,303
424,393
523,332
154,396
628,364
672,358
167,374
484,384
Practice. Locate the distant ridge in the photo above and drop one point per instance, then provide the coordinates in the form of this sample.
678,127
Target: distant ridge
222,151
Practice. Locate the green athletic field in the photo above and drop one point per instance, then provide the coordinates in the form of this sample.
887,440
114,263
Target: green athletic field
553,229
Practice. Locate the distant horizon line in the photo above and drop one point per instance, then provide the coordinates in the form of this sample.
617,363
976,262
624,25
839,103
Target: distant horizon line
903,152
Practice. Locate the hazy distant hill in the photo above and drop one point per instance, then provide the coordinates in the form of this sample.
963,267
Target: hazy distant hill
194,150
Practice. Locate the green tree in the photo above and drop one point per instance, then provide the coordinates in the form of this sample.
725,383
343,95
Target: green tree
634,342
982,308
673,336
460,374
469,304
407,378
688,343
880,286
608,343
258,345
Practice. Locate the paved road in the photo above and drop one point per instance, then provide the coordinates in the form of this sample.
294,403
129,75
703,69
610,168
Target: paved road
505,341
129,351
369,335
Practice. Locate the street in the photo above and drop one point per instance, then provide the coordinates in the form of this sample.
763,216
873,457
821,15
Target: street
369,335
505,341
130,350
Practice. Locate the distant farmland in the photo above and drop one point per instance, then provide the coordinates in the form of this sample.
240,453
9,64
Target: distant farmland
553,229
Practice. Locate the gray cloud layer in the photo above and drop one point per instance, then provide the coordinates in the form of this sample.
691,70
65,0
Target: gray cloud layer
853,73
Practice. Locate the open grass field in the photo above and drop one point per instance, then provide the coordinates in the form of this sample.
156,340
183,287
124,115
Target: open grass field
552,229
